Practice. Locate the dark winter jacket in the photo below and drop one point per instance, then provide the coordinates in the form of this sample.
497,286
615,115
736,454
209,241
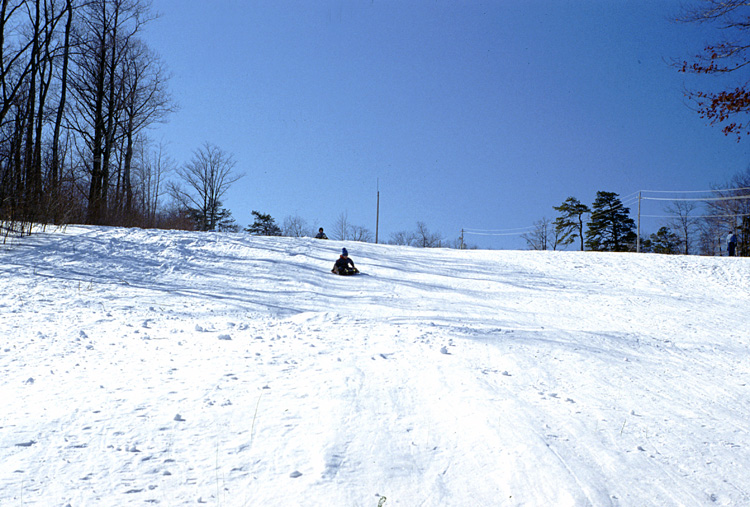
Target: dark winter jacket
342,263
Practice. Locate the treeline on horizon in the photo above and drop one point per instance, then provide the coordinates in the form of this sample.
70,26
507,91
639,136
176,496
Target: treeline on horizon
693,227
697,226
80,87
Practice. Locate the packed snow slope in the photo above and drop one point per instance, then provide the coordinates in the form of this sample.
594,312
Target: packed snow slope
174,368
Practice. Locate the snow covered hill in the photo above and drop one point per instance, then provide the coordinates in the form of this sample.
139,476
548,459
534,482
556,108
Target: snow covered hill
173,368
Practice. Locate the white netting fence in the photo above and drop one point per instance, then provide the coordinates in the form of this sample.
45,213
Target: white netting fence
712,213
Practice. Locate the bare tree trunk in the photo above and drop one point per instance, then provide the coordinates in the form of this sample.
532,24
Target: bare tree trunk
55,169
96,193
12,78
33,176
126,180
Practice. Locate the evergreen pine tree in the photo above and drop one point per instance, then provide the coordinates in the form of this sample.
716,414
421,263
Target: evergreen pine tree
264,225
569,225
213,218
610,228
665,241
225,222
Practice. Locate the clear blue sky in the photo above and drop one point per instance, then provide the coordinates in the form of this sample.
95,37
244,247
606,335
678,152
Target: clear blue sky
470,114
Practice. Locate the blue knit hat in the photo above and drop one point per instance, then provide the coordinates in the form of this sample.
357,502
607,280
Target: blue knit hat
344,252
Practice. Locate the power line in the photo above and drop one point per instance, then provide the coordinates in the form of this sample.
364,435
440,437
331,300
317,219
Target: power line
688,199
629,201
698,216
699,199
494,234
692,191
499,230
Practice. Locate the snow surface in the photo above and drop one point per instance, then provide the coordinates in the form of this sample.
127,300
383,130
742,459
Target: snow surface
175,368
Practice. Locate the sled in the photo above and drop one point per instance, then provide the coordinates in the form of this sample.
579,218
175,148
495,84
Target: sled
347,273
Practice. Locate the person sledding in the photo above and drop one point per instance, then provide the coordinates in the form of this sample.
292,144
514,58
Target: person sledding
344,265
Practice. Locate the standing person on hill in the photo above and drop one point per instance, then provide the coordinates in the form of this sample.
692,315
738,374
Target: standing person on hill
731,244
321,234
344,265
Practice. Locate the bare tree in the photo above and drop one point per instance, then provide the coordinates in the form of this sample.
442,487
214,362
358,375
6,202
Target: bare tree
103,36
296,227
28,31
541,237
730,208
341,227
403,238
209,174
711,233
427,239
345,231
359,233
78,88
55,170
152,169
145,101
421,237
14,48
683,222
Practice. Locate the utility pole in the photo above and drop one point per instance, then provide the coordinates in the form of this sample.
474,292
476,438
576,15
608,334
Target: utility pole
377,213
638,239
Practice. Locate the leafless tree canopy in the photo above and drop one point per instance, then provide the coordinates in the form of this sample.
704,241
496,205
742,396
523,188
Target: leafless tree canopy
296,227
343,230
79,88
729,213
420,237
544,235
208,176
684,222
